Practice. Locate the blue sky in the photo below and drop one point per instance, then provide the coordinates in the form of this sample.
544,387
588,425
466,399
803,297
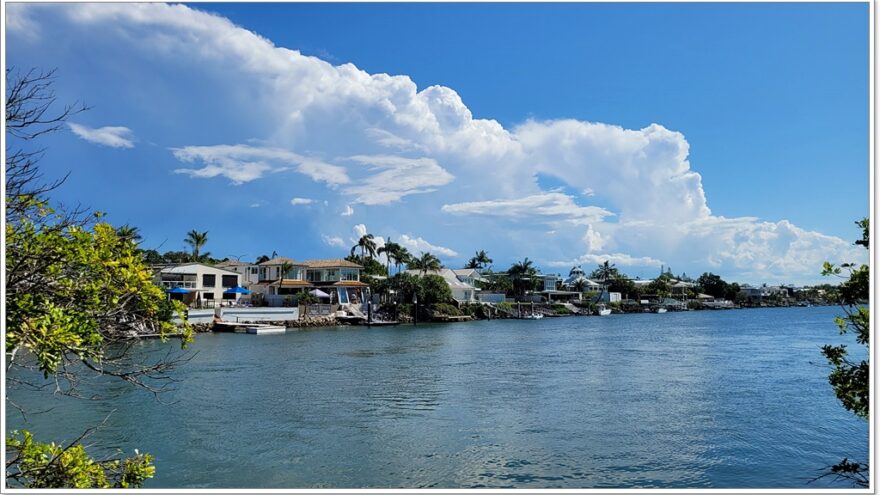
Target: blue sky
730,138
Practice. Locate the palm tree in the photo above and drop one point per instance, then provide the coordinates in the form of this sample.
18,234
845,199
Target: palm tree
425,263
403,257
367,245
580,285
285,267
129,233
262,259
392,251
479,261
605,272
196,239
522,274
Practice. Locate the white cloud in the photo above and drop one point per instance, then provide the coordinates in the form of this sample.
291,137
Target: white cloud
243,163
619,259
397,177
113,136
256,205
653,205
301,201
333,240
549,207
348,211
417,245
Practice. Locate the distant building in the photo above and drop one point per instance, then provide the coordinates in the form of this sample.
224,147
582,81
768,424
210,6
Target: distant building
250,272
205,283
462,291
339,279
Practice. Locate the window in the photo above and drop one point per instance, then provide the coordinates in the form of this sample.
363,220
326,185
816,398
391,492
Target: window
208,280
313,275
349,274
208,295
230,281
228,296
254,270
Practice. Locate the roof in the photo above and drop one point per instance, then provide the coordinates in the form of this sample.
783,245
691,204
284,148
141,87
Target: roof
448,275
350,283
187,268
233,263
293,283
331,263
280,260
574,279
472,273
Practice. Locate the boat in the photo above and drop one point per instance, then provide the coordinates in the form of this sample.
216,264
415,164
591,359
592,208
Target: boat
533,316
660,310
603,311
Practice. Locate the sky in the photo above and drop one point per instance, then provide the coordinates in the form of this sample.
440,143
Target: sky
724,138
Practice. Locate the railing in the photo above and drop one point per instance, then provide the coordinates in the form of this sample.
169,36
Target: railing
185,285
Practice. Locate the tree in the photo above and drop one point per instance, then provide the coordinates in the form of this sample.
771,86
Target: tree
434,290
371,266
367,246
851,378
261,259
196,240
713,285
605,272
305,299
403,257
480,260
76,294
392,251
285,267
522,275
129,234
425,263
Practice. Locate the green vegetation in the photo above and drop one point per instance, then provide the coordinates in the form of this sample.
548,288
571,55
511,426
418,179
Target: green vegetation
851,379
480,261
197,241
425,263
74,288
367,246
446,309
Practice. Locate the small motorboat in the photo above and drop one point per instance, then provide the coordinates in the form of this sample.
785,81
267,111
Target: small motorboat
533,316
603,311
660,310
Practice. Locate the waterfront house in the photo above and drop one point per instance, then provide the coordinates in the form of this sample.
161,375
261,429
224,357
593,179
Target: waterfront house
250,272
206,284
462,292
553,292
339,279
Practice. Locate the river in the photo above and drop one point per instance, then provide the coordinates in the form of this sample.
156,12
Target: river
722,399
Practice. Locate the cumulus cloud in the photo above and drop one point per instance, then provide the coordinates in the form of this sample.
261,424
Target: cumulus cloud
301,201
550,206
418,245
335,241
112,136
615,258
348,211
397,177
402,142
243,163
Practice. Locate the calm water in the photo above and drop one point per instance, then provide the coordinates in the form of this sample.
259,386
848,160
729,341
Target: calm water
700,399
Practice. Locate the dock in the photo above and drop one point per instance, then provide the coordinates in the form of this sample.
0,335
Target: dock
250,328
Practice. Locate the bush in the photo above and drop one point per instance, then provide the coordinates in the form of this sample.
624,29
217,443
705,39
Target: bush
446,309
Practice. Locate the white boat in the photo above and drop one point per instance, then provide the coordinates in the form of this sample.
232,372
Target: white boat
533,316
661,310
603,311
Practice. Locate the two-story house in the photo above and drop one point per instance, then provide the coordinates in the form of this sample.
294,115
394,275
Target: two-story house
205,284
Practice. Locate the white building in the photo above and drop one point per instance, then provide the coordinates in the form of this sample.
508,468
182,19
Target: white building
339,279
206,284
250,272
462,292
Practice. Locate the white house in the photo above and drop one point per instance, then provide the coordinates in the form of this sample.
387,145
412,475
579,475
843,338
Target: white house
462,292
205,283
250,272
339,279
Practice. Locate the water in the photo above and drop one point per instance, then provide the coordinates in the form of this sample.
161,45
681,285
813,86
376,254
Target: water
726,399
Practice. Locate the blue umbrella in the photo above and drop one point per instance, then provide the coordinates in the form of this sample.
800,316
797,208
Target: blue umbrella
177,290
237,290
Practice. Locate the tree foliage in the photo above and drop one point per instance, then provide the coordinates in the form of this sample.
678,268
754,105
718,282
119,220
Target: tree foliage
851,378
76,293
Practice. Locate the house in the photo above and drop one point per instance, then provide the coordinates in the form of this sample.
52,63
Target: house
470,276
550,291
250,272
206,284
339,279
462,292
